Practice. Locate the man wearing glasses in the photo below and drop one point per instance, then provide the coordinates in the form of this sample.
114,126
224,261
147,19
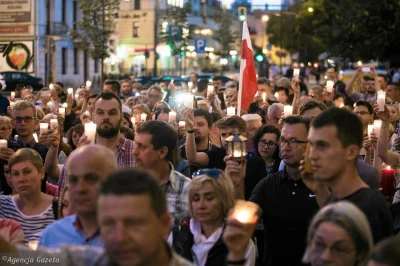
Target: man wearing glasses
287,204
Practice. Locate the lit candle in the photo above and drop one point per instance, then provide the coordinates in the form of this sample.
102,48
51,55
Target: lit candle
88,84
3,143
190,85
288,110
16,137
70,91
329,86
245,212
387,182
341,105
377,127
370,129
264,96
296,73
33,244
276,95
35,137
76,96
43,128
51,86
210,89
53,123
12,94
61,110
230,111
65,105
172,116
381,100
182,124
90,131
133,120
189,101
50,106
143,117
12,104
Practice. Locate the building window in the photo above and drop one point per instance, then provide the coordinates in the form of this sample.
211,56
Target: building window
74,14
64,11
135,30
136,5
76,63
64,60
96,66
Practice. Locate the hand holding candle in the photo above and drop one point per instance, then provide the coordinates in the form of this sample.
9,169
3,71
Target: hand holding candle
90,131
3,143
264,97
181,124
88,84
245,212
381,100
13,95
329,86
133,120
387,182
288,110
53,124
143,117
210,89
172,117
70,91
370,129
296,73
61,110
43,128
230,111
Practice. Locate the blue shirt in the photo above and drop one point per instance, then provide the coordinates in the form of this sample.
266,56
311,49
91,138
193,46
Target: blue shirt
66,231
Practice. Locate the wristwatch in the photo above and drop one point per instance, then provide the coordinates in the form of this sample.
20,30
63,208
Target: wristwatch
190,131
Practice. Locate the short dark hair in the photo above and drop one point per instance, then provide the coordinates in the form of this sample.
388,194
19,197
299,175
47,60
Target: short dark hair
215,117
385,77
366,104
297,119
264,130
387,252
338,95
234,122
133,182
332,66
311,104
109,96
207,116
115,86
162,111
127,132
202,85
395,84
92,96
79,129
286,90
348,125
263,80
127,116
162,135
194,73
215,78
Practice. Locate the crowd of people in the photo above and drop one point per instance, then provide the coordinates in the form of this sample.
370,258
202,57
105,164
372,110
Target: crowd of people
149,174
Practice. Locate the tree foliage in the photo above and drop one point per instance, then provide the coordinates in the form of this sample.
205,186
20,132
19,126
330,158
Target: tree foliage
178,16
225,35
96,26
354,29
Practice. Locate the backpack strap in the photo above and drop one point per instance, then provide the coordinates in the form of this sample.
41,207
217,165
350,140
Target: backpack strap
55,207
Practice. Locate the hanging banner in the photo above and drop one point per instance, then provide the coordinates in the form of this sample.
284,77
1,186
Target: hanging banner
16,56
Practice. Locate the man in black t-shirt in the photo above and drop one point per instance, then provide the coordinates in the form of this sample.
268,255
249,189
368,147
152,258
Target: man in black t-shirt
212,158
335,140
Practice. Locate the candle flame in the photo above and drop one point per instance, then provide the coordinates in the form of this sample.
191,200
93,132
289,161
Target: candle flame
388,167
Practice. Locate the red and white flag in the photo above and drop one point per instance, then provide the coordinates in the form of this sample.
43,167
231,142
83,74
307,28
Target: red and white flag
248,78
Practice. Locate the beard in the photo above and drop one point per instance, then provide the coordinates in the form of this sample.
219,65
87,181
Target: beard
108,133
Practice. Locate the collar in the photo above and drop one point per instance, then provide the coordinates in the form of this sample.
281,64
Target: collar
121,144
30,143
199,238
78,225
172,177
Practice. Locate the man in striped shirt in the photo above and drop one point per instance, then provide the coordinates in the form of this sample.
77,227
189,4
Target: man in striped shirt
85,174
107,116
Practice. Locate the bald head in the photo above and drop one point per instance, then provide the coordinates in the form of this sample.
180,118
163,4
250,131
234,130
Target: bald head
87,167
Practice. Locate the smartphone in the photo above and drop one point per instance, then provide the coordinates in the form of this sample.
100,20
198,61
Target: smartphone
307,162
366,69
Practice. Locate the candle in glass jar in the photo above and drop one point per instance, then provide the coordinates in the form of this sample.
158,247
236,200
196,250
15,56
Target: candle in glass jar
143,117
276,95
33,244
189,101
3,143
133,120
70,91
245,212
296,73
53,123
35,136
190,85
76,96
387,182
381,100
12,94
182,124
172,116
329,86
88,84
90,131
210,89
61,110
230,111
51,86
370,129
43,128
288,110
377,127
264,97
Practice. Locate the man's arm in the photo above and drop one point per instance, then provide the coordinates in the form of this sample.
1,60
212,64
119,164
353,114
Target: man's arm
51,161
349,86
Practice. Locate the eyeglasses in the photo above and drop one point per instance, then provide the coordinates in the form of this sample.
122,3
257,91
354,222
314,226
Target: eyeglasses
337,250
361,113
293,143
270,144
26,119
153,96
214,173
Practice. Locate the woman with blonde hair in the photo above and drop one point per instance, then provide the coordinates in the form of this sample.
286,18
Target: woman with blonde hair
138,110
211,196
339,235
